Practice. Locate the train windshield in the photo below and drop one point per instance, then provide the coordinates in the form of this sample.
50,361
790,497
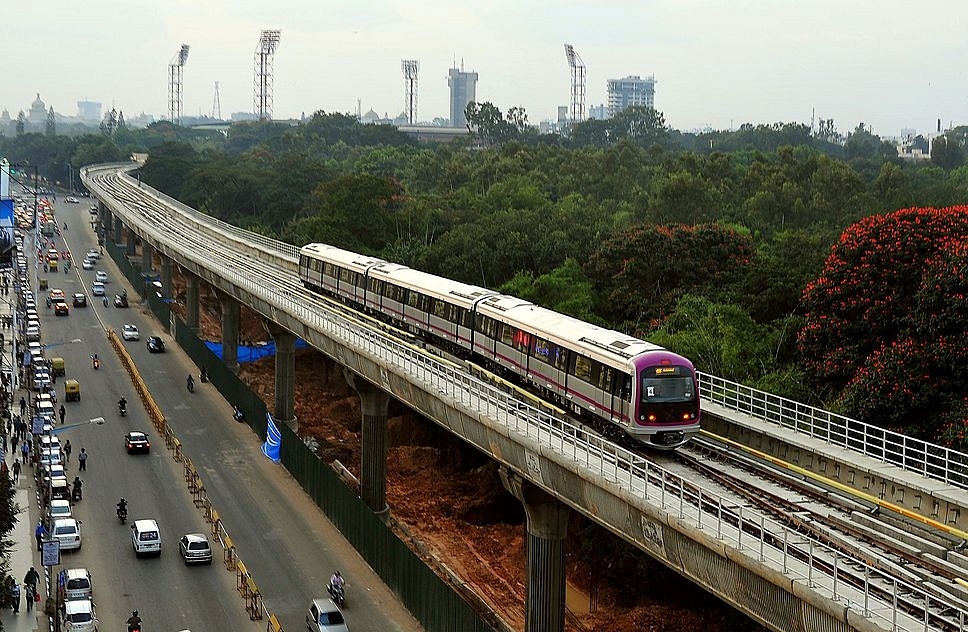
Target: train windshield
667,384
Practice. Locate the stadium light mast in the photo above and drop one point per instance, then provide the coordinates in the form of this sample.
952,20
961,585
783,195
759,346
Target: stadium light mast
175,84
262,81
577,84
410,68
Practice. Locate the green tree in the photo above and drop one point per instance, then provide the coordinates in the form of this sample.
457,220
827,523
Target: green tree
947,153
21,123
51,128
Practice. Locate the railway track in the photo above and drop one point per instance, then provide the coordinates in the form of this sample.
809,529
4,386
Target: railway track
839,537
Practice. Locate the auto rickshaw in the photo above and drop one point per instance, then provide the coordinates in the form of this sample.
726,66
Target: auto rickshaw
43,284
57,366
72,391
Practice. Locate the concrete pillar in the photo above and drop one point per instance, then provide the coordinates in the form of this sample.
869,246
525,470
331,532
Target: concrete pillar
117,230
107,217
166,276
230,331
146,251
192,283
544,596
132,245
373,466
284,406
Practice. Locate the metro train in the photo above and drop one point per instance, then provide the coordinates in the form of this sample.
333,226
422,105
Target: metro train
627,386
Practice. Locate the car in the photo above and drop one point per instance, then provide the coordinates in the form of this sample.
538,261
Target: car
136,441
53,470
88,263
56,295
30,304
195,549
97,289
41,380
33,333
72,200
145,537
155,344
61,309
130,332
58,509
93,253
49,458
101,276
325,616
80,299
67,532
74,583
78,616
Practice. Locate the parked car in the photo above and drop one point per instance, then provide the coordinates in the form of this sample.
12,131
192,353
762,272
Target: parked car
67,532
195,548
58,509
79,616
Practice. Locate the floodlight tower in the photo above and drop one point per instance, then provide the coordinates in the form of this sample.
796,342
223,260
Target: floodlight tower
577,84
262,83
410,68
216,105
175,84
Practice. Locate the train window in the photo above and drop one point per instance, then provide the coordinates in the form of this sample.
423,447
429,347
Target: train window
456,314
328,269
439,307
413,300
376,286
623,387
507,334
605,378
583,368
487,326
521,340
467,318
671,388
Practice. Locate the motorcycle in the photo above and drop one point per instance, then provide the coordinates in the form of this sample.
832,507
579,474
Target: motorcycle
96,363
122,514
76,494
337,593
122,408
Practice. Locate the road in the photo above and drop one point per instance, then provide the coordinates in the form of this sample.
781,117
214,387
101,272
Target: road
285,541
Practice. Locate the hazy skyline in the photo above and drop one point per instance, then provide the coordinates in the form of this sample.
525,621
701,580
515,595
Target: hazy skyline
888,64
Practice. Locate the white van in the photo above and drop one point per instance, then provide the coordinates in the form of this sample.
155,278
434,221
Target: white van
146,538
76,584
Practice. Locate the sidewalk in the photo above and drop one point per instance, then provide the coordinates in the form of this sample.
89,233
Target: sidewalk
22,557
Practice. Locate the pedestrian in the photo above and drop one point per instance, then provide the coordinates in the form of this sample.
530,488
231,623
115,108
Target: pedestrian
31,579
13,445
16,471
82,460
67,451
29,596
62,411
23,406
40,533
25,451
15,596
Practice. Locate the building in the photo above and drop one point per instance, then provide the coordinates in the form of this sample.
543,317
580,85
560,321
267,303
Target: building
38,111
463,90
630,91
89,110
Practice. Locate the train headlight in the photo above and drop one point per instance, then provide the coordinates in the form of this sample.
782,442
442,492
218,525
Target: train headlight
651,418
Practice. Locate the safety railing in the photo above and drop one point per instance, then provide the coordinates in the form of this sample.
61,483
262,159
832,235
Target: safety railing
753,535
914,455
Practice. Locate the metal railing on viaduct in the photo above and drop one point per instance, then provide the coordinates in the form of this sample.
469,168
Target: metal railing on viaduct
767,570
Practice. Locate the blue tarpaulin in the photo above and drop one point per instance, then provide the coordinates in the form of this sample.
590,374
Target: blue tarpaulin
273,440
250,353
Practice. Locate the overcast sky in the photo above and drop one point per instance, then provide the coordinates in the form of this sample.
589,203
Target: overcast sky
719,63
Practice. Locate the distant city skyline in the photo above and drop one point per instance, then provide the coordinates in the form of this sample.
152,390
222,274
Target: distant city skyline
890,65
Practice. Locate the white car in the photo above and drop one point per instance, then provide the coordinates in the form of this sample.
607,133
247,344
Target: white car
79,616
101,276
130,332
97,289
93,254
58,509
67,532
88,263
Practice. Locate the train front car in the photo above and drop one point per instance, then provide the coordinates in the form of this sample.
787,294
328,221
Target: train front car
666,398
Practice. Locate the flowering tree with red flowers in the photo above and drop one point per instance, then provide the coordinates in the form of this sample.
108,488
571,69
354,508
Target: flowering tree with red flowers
885,321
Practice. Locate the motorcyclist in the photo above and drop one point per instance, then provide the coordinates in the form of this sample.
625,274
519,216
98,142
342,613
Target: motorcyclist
191,383
76,493
122,507
134,622
123,405
95,361
336,581
203,376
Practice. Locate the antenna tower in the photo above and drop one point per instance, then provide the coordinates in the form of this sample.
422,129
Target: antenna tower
577,84
216,105
175,84
262,83
410,68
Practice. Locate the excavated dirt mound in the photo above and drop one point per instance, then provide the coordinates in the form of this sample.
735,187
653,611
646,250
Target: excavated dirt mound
450,497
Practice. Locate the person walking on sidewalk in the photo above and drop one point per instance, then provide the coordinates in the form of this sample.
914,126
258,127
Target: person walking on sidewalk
62,411
16,471
31,578
82,460
25,451
67,451
29,592
23,406
15,595
40,532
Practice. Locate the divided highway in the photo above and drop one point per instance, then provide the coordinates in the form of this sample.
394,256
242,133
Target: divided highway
284,540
